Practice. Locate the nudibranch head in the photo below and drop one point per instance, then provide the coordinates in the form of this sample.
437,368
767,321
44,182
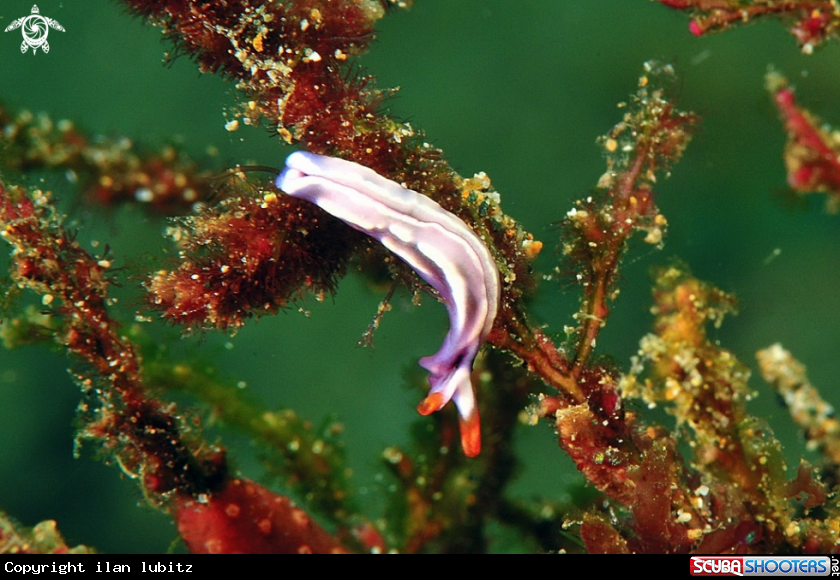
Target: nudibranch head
438,245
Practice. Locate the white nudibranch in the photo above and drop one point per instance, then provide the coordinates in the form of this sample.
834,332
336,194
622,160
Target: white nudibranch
440,247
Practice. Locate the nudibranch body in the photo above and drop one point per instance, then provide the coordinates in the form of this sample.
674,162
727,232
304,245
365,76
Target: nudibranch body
439,246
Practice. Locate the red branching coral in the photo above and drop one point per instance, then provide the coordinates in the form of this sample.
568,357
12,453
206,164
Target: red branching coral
143,434
739,500
812,152
250,255
807,407
811,22
246,518
652,136
74,285
43,538
110,171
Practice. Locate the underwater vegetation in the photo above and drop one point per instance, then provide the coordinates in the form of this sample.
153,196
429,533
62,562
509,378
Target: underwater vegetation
672,458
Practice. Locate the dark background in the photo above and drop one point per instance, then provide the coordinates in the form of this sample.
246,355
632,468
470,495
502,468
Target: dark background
520,90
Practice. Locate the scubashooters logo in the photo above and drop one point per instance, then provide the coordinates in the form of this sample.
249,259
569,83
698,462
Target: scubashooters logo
764,566
35,29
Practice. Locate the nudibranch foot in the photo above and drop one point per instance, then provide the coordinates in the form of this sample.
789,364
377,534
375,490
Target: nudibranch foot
471,434
457,387
437,244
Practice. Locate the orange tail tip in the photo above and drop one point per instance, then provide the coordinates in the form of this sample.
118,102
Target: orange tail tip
430,404
471,434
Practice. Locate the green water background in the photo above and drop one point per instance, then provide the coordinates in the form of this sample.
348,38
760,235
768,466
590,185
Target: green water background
517,89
